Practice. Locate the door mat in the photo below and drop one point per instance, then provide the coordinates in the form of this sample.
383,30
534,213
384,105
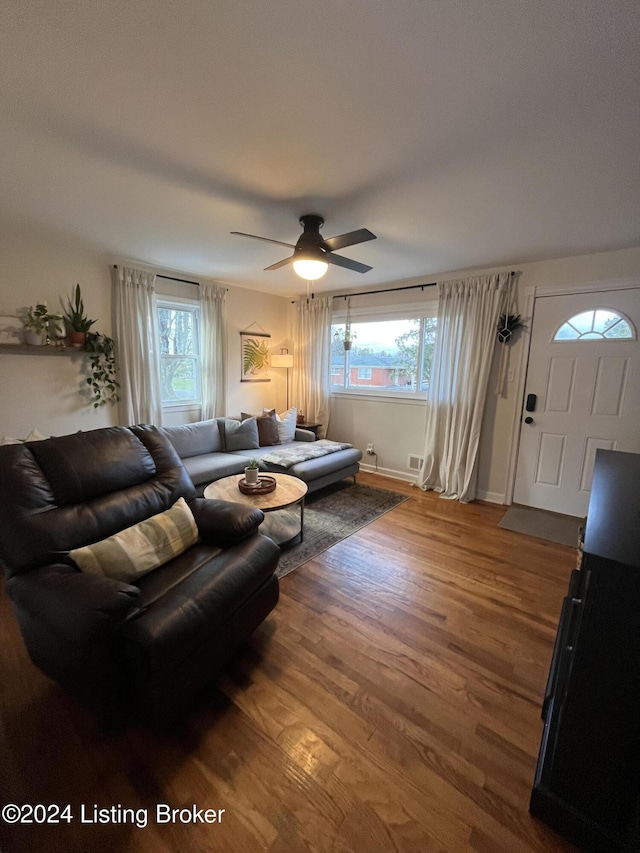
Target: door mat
552,526
334,513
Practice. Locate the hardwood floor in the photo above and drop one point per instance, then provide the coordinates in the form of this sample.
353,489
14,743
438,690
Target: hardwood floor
390,703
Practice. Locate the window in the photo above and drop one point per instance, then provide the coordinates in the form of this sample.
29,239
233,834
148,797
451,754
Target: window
387,357
179,352
598,324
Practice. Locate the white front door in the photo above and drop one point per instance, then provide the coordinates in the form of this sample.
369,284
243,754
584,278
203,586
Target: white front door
584,368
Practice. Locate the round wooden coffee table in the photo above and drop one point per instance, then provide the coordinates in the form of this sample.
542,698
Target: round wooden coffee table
282,522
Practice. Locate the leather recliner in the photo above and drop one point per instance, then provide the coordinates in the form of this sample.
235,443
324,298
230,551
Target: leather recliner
140,649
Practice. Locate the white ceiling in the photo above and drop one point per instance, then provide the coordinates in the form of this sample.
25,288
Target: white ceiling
464,133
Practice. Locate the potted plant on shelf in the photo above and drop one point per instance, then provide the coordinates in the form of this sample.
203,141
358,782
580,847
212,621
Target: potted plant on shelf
251,473
77,322
36,323
102,356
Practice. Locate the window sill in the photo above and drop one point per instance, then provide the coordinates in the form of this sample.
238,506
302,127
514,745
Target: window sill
413,400
191,406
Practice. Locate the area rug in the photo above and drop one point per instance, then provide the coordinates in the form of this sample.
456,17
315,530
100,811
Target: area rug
552,526
334,513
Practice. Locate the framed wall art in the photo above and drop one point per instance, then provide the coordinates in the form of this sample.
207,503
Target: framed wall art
254,354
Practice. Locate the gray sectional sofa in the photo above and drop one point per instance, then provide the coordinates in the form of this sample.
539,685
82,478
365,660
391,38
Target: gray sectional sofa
212,449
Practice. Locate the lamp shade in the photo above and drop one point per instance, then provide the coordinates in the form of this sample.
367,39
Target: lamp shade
282,360
310,269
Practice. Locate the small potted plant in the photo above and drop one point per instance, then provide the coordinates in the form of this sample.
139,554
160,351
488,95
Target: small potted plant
251,473
77,322
36,323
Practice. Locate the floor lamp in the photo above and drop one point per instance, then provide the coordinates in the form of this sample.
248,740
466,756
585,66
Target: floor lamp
283,359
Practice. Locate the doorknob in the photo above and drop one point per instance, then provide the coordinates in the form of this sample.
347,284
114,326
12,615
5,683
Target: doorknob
528,420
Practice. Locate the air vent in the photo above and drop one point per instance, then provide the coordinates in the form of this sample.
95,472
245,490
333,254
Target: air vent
414,462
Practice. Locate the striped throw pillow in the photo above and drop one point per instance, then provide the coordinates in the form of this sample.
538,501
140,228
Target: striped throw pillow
139,549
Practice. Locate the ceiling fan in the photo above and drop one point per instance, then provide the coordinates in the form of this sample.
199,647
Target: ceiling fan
312,254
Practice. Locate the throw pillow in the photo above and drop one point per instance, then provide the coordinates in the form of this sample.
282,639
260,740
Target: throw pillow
34,435
241,435
287,425
268,434
139,549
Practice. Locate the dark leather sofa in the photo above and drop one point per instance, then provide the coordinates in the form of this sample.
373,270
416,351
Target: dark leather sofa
145,648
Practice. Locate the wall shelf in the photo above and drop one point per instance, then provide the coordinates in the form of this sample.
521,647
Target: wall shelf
25,349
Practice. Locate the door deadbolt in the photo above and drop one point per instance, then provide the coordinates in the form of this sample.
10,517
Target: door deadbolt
528,420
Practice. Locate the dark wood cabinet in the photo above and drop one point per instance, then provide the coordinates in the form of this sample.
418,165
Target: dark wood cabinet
587,783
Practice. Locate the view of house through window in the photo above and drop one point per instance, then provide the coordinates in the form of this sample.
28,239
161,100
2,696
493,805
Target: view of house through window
179,353
386,356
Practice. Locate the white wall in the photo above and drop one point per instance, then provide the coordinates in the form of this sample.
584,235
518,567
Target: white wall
45,391
245,307
36,390
397,428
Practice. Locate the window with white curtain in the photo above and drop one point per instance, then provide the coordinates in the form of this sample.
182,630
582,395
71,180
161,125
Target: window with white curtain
178,325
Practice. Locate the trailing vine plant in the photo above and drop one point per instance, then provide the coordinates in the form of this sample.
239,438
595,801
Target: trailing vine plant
102,356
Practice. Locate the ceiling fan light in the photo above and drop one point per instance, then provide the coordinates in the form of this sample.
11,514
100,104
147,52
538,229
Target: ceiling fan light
309,269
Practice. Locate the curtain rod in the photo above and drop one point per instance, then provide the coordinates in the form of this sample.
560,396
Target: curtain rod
392,289
170,278
384,290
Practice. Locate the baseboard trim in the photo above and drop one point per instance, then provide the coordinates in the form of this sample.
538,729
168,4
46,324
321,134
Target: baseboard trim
491,497
389,472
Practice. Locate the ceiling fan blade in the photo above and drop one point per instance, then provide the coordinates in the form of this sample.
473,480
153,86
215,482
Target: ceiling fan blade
265,239
347,263
280,264
349,239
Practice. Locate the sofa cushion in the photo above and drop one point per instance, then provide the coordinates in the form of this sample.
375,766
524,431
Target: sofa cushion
214,466
240,435
268,433
194,439
142,547
174,620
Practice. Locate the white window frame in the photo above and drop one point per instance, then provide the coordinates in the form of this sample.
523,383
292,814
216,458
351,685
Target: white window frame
420,313
179,303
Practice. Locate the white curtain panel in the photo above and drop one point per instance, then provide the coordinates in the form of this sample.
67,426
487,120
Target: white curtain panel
312,366
468,313
136,332
214,349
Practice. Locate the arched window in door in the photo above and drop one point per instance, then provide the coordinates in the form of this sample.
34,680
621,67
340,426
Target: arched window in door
599,324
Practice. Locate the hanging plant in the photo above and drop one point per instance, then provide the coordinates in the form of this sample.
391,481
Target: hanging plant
102,356
348,336
507,324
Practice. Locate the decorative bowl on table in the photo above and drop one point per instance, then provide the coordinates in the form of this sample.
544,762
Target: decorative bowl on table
265,484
